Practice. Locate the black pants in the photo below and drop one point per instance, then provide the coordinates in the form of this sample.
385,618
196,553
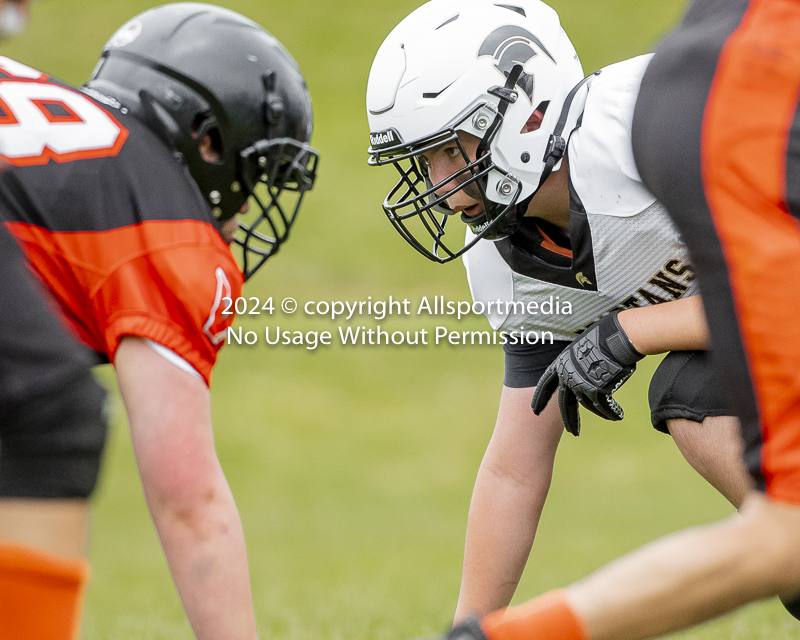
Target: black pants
52,417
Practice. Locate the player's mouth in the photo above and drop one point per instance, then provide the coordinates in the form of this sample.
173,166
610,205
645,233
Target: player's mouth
227,230
472,212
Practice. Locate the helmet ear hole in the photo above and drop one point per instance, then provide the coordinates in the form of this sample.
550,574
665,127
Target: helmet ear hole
207,133
227,99
535,121
215,141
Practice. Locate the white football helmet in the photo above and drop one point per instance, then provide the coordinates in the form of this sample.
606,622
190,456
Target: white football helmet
490,69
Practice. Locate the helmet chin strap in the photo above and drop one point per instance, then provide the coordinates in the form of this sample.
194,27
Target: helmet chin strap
507,96
557,146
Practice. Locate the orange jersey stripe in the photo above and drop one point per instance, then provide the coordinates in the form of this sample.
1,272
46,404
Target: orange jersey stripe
744,171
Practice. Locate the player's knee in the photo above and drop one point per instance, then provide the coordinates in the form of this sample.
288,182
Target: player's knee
716,438
685,388
684,432
51,447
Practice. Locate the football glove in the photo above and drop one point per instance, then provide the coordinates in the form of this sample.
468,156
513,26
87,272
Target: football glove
792,606
589,371
469,629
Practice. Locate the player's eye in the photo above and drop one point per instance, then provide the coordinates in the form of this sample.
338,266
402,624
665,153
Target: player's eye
452,152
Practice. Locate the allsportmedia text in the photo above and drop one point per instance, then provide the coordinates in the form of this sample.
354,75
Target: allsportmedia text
361,336
380,309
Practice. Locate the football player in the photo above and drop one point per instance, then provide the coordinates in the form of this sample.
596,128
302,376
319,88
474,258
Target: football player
729,175
45,381
124,197
482,108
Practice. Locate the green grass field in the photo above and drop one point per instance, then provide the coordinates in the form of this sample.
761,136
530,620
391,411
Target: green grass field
353,466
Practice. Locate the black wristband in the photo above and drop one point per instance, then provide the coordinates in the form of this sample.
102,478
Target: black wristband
615,341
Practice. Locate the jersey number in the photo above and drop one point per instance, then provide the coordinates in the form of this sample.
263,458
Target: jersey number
40,121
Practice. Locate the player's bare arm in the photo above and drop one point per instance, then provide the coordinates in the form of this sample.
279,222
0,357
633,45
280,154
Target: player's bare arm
679,325
507,501
187,493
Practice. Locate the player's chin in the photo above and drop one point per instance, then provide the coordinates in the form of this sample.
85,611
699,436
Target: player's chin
228,229
473,211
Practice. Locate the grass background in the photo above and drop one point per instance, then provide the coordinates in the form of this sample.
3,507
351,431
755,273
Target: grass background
353,466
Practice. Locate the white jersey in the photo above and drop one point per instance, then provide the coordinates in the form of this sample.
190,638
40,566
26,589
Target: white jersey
623,250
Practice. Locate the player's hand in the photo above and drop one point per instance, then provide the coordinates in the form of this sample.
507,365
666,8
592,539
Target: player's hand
589,371
469,629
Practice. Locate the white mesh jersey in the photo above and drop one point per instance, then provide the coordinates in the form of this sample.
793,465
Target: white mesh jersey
623,249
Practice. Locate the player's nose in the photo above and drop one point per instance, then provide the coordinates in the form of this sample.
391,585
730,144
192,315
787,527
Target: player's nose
443,177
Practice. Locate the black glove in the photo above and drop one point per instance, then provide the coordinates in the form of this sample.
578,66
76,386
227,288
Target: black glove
469,629
792,606
588,371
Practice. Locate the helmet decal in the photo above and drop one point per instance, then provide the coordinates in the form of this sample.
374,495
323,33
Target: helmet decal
126,35
512,45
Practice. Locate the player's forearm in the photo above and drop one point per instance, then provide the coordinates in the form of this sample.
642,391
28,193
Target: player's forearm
503,518
204,545
507,501
673,326
187,493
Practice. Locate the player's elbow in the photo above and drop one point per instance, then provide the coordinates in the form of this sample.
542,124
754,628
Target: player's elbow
193,502
528,479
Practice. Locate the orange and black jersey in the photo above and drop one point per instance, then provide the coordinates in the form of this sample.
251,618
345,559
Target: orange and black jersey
732,184
111,221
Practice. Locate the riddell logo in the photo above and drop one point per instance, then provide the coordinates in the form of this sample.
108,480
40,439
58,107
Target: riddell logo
478,228
382,139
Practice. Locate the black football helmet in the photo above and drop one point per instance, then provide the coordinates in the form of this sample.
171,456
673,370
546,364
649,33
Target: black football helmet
191,70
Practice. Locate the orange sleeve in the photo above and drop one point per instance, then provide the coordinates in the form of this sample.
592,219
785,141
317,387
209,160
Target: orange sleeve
175,298
162,280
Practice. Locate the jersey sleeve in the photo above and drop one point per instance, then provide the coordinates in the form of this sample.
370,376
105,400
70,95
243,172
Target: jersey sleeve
602,168
174,297
163,280
525,363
